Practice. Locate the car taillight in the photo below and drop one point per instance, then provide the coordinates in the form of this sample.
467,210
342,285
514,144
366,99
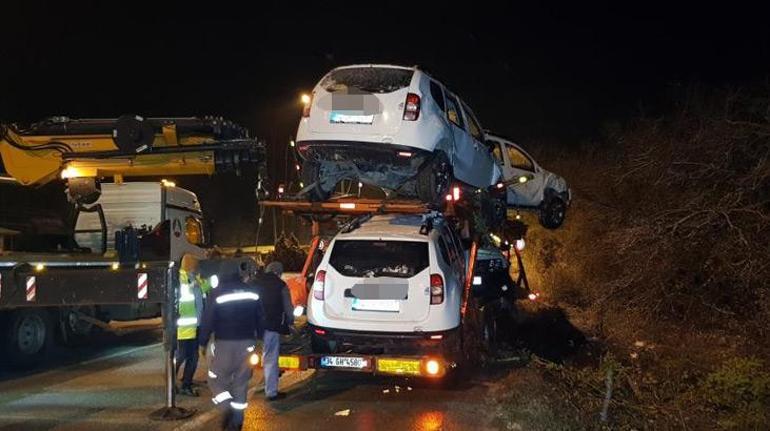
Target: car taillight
318,285
412,107
306,107
436,289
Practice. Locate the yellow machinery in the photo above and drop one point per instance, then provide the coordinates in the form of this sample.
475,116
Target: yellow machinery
83,151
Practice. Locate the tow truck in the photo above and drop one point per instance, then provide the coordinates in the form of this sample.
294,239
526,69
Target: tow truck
130,236
430,363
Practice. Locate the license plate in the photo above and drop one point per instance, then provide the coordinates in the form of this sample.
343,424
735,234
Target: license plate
288,362
339,117
344,362
392,305
399,366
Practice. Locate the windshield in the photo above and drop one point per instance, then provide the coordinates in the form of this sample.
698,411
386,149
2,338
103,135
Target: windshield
369,258
367,80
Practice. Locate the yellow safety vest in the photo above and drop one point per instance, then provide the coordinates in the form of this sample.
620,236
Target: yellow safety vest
187,323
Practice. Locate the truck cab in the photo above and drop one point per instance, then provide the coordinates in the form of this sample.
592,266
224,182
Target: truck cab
129,237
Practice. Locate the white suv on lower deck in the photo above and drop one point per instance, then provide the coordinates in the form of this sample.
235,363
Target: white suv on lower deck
394,284
391,127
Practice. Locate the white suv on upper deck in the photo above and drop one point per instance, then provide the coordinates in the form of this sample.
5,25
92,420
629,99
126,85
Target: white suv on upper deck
394,282
392,127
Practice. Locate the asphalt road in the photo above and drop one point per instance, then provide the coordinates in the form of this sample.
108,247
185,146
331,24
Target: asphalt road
117,383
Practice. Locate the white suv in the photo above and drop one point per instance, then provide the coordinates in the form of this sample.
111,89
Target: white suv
394,284
529,185
391,127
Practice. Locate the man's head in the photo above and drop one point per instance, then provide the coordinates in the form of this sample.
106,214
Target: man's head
274,267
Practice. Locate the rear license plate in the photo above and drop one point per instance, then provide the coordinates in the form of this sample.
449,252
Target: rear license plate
392,305
339,117
344,362
399,366
288,362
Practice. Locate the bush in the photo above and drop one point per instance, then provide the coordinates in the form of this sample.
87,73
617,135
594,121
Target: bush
740,390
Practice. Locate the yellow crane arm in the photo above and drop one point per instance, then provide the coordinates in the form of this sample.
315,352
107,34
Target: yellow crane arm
125,147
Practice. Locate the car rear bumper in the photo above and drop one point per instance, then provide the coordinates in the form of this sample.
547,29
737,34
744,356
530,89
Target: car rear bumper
407,343
376,163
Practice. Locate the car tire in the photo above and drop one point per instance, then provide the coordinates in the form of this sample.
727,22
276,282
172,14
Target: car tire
76,332
434,179
311,175
28,336
552,212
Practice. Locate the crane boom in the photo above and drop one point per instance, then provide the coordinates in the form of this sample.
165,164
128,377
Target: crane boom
125,147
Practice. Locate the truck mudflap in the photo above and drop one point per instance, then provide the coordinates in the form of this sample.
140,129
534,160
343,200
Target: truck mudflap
428,366
40,285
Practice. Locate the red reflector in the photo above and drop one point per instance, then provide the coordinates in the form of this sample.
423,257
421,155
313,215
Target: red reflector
412,107
404,154
436,337
319,331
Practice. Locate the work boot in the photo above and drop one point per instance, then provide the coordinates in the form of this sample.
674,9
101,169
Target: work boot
277,396
188,391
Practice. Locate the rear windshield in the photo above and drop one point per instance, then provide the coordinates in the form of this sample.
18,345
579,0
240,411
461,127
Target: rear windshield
367,258
367,79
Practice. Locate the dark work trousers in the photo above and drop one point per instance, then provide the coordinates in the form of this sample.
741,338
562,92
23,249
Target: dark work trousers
187,354
229,375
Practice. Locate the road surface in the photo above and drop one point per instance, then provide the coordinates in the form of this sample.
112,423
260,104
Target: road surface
116,383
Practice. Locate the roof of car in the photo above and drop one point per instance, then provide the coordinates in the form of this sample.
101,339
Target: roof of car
390,66
389,226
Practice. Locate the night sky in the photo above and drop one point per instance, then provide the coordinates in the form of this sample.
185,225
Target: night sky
535,73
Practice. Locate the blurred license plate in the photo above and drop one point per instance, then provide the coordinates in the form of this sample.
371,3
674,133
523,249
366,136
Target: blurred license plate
339,117
393,305
344,362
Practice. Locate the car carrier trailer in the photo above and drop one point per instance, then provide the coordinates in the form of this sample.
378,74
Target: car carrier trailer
428,363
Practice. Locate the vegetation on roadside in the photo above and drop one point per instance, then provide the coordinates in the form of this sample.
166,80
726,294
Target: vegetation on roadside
665,261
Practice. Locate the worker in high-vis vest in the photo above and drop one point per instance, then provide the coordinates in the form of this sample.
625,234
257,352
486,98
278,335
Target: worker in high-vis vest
192,289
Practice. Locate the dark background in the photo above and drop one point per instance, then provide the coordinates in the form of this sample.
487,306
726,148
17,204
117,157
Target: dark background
542,75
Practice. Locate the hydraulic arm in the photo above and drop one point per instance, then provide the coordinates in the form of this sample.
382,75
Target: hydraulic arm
84,151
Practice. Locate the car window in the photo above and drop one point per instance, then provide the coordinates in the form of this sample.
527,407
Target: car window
519,159
495,146
438,95
367,79
473,125
442,248
453,253
453,112
370,258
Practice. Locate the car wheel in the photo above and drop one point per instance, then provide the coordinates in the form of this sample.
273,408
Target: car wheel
311,175
434,180
553,210
27,337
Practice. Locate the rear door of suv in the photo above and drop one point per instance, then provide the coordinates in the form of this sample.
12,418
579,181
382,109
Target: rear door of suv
378,280
361,100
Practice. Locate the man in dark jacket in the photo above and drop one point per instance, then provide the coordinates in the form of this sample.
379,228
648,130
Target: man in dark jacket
233,314
279,317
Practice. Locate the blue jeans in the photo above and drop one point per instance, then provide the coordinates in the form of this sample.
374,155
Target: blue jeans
187,354
272,347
